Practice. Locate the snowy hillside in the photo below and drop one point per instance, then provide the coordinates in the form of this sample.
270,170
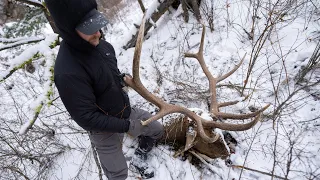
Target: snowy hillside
278,40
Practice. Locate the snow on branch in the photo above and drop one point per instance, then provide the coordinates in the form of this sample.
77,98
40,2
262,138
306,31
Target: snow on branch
25,127
12,40
152,8
20,66
27,56
32,2
152,15
18,41
45,97
44,49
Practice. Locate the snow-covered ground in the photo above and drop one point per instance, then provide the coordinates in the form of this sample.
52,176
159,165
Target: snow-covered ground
286,145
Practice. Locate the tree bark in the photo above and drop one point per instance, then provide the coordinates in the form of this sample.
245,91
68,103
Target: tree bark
187,5
155,17
185,10
3,11
45,11
195,7
143,9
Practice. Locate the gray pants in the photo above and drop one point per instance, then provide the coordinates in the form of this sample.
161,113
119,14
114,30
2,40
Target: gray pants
109,145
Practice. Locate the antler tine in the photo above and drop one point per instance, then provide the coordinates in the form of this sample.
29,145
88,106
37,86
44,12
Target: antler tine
232,127
200,51
232,71
212,80
159,115
241,116
135,82
224,104
202,38
137,53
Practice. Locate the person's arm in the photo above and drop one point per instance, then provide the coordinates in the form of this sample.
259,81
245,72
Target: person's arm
78,97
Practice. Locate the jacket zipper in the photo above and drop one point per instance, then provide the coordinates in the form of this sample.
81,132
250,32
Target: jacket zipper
123,98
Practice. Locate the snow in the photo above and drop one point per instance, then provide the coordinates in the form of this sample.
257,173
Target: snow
152,8
42,47
11,40
35,2
297,125
24,128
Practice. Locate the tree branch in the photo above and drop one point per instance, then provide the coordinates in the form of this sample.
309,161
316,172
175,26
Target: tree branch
21,42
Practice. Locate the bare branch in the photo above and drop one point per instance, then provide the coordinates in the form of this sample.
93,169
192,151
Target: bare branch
261,172
21,42
95,156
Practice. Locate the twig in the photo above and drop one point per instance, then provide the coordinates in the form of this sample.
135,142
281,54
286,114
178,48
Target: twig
316,118
276,131
254,137
254,170
15,169
19,43
95,156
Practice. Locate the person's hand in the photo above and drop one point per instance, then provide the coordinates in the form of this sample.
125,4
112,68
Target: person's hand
127,79
127,76
124,78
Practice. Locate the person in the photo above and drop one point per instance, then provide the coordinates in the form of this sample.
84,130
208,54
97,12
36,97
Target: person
90,86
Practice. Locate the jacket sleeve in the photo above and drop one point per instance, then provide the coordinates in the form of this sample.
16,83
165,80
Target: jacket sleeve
78,97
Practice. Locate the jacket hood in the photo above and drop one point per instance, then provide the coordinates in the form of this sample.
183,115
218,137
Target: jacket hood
67,14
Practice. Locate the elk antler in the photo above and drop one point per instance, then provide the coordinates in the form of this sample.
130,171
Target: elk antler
166,108
214,109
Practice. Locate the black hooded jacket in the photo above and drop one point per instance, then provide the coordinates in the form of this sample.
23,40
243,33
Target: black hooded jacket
87,77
